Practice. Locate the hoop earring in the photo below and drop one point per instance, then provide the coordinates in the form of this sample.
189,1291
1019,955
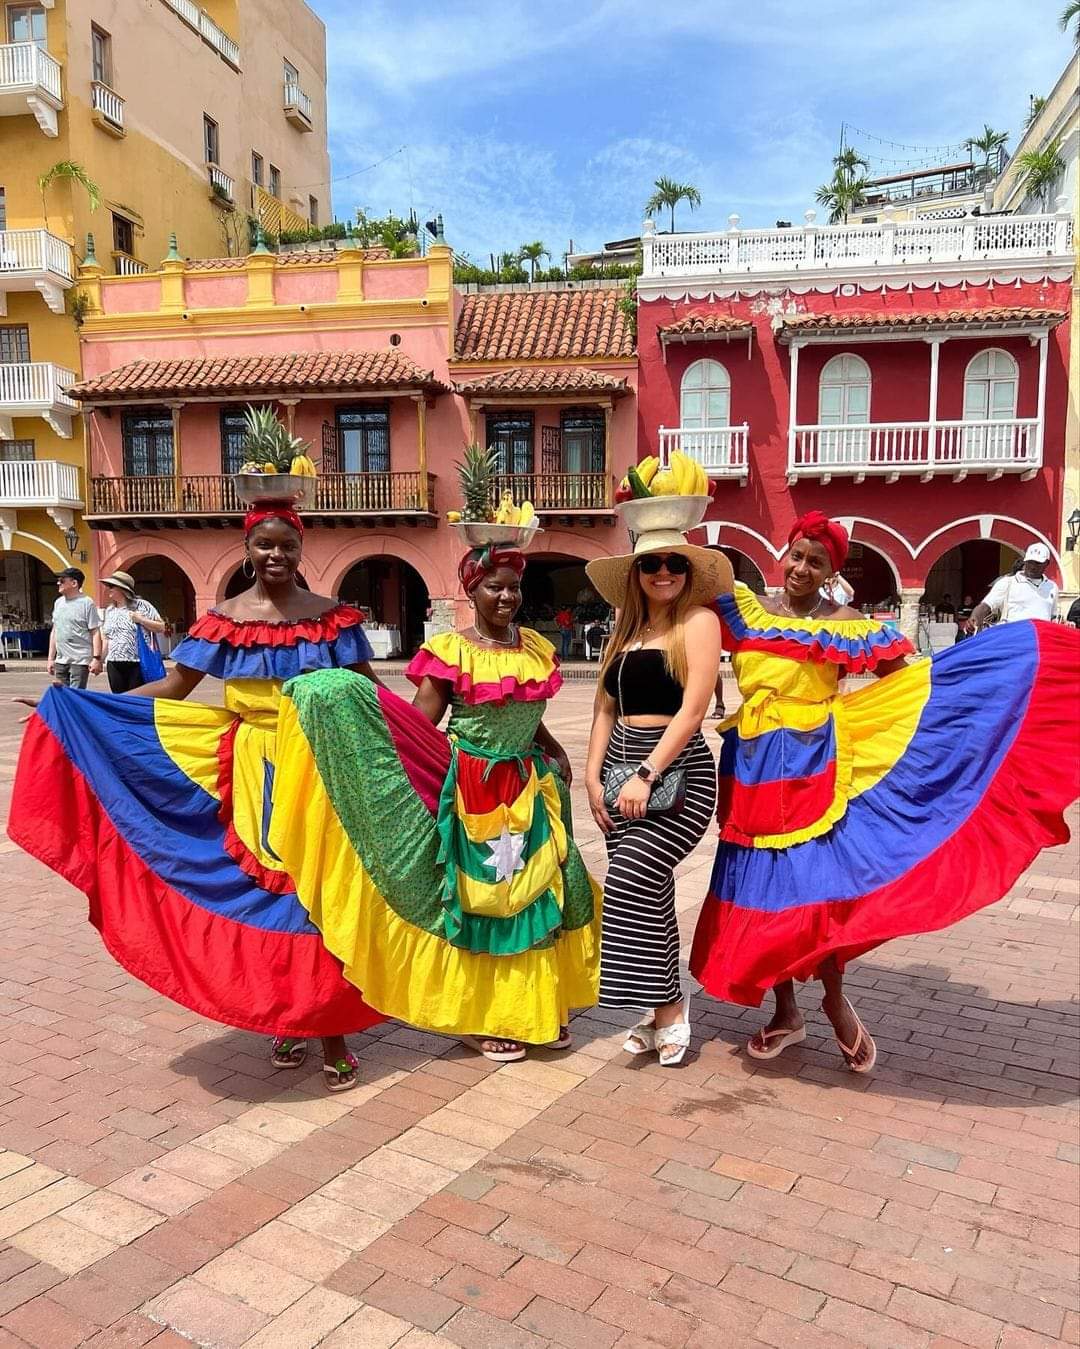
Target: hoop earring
247,562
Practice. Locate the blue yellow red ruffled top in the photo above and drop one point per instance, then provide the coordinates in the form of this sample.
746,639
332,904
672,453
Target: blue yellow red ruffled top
528,672
230,648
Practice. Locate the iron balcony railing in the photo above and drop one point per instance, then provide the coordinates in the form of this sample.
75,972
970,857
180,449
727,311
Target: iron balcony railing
556,491
39,482
25,252
215,494
26,66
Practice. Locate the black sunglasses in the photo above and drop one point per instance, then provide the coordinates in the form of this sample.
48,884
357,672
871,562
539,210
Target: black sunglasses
676,564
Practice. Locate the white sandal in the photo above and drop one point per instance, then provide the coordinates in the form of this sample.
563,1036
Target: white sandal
675,1036
783,1038
640,1040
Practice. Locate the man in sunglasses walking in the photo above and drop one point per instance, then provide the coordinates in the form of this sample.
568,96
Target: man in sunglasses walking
75,639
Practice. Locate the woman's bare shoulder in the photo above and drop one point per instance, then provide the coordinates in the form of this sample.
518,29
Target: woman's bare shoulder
700,616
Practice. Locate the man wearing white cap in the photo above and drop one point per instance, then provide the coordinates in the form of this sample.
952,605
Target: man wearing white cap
1027,594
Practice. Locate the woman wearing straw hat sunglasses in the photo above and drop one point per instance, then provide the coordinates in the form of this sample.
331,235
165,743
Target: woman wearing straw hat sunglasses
650,776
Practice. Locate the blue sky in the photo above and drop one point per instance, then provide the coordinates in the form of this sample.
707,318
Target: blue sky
549,119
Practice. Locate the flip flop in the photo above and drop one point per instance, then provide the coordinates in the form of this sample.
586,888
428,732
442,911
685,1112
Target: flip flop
783,1037
343,1074
286,1052
564,1041
477,1042
849,1052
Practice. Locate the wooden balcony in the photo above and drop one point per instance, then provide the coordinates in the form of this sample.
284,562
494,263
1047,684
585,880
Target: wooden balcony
209,501
559,494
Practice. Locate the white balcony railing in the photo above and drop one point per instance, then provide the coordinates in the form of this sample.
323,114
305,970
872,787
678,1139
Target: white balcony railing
720,450
207,29
126,265
30,82
33,254
40,483
108,103
221,185
924,448
36,389
856,247
297,101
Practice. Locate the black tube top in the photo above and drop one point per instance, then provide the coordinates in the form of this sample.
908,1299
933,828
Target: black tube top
647,688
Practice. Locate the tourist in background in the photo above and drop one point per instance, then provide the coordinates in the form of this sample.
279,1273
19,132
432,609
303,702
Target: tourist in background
75,639
124,615
1026,593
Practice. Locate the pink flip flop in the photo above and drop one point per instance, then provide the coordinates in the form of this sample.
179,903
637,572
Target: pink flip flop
783,1039
849,1052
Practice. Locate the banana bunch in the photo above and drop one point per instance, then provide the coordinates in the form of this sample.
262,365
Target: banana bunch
302,467
509,514
683,477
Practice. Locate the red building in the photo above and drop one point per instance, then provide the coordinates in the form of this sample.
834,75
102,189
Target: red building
909,378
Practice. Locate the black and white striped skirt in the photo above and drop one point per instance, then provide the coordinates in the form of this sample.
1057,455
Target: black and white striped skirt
639,945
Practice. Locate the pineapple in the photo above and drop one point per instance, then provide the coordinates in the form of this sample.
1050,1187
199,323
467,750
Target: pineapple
475,471
268,444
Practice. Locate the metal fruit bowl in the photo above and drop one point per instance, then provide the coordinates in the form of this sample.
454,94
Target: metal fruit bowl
663,512
255,488
479,533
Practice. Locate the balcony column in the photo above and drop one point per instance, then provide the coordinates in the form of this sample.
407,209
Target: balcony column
931,447
289,404
793,403
421,451
1040,413
178,470
475,412
608,466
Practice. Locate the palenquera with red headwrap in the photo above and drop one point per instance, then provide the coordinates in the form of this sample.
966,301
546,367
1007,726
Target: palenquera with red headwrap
159,810
441,867
898,808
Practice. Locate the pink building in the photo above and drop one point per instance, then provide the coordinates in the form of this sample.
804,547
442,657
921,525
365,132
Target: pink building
388,371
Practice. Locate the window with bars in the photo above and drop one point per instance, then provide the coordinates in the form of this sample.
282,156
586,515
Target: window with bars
363,435
148,443
14,343
16,450
233,431
511,435
582,440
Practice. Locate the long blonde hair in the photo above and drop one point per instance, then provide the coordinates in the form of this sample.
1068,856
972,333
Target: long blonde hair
632,619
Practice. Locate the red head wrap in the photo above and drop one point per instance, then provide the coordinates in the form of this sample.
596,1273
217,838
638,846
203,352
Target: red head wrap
832,535
480,562
272,510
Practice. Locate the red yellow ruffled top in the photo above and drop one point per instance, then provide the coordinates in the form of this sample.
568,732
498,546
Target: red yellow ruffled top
528,672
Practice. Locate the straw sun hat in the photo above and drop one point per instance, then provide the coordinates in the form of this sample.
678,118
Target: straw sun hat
122,580
710,571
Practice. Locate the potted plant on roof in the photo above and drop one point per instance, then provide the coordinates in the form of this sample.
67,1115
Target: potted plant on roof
277,466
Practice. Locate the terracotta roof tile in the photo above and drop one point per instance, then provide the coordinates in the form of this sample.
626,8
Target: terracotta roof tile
1000,316
294,372
540,380
543,325
706,324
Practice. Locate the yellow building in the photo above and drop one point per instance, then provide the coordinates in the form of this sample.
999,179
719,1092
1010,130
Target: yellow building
184,118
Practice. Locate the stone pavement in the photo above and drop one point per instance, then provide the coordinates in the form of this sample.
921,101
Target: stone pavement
161,1184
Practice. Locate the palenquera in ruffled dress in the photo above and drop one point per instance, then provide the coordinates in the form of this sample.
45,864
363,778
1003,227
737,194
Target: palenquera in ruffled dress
440,867
158,810
897,808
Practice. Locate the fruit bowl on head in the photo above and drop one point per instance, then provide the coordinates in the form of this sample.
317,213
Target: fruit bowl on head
663,512
482,533
255,489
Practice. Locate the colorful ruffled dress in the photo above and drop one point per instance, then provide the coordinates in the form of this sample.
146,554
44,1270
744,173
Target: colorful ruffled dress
898,808
159,811
440,867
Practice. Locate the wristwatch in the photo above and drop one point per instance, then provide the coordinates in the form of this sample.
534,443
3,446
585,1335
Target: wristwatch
647,773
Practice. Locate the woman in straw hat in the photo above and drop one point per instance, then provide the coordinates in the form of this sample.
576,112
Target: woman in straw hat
654,691
125,614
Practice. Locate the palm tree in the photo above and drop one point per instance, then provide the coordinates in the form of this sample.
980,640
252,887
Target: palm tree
849,161
1037,105
1068,14
532,253
669,193
842,194
1040,170
74,173
989,145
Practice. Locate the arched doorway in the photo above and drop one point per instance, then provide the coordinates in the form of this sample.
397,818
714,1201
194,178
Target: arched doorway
27,591
555,584
238,582
392,592
961,577
167,587
871,576
745,569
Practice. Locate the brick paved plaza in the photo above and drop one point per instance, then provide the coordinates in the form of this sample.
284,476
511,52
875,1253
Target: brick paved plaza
161,1184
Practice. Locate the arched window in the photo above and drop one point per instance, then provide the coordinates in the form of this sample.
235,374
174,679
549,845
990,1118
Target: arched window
705,397
990,384
844,392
